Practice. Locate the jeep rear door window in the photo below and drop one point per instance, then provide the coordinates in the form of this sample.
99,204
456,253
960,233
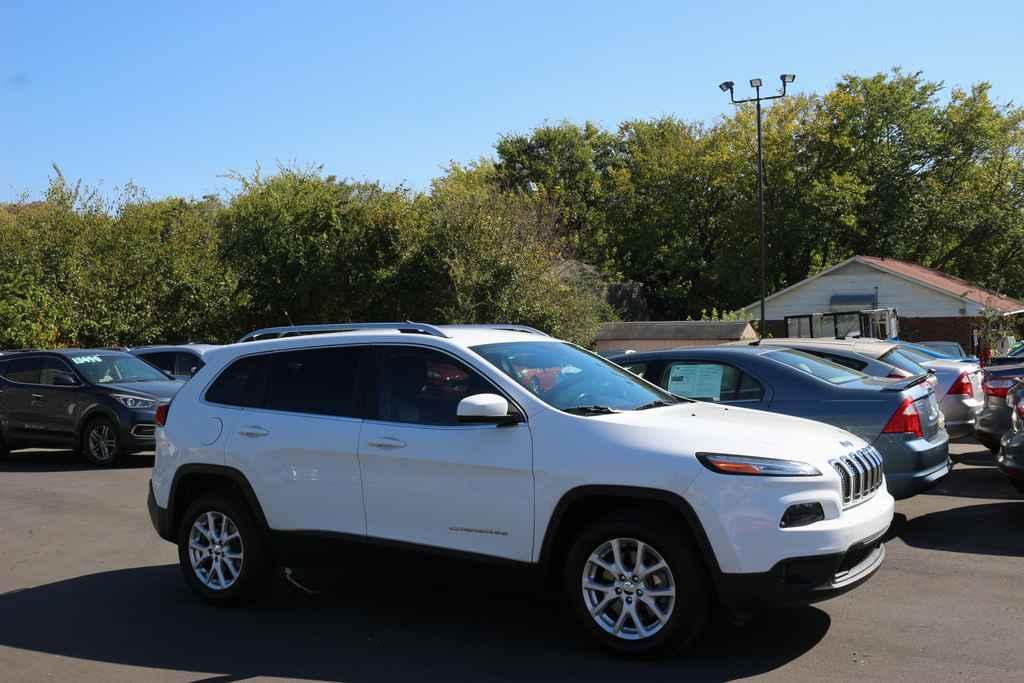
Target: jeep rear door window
320,381
568,378
710,381
423,386
242,384
816,367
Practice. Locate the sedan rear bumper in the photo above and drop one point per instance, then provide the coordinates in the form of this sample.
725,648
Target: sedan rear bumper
913,465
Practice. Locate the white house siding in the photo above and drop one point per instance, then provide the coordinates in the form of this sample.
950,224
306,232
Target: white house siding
910,300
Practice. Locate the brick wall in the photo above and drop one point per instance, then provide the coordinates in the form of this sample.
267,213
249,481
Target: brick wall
939,329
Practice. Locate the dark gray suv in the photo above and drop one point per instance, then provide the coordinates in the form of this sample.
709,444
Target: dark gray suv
99,402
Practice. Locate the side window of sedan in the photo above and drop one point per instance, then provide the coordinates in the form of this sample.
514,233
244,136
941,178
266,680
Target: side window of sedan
710,381
164,360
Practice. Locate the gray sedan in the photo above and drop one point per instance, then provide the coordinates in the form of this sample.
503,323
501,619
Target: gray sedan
957,383
900,419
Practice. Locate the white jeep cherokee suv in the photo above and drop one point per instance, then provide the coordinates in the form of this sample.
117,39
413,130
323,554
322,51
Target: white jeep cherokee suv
503,442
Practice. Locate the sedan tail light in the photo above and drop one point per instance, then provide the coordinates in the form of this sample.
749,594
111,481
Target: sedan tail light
161,414
906,420
962,386
998,387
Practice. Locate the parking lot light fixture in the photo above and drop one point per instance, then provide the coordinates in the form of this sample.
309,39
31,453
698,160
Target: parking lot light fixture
755,83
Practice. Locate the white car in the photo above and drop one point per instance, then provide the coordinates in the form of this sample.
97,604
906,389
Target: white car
650,508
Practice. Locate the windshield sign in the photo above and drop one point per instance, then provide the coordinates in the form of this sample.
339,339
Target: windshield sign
116,369
570,379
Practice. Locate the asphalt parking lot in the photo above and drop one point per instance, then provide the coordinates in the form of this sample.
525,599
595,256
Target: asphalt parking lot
89,593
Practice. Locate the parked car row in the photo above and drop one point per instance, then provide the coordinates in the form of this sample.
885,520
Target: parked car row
741,476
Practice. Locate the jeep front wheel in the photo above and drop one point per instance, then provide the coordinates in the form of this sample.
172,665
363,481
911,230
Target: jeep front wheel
637,586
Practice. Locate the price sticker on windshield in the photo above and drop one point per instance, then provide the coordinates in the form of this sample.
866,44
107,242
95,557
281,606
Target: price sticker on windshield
82,360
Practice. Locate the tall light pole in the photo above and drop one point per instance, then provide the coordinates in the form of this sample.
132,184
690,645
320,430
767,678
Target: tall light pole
755,83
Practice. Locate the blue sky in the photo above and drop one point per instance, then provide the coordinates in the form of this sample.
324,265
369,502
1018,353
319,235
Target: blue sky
173,95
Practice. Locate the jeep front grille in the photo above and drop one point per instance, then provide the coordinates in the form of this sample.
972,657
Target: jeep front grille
861,474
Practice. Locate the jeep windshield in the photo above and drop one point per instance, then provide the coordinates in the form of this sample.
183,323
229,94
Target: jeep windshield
573,380
115,368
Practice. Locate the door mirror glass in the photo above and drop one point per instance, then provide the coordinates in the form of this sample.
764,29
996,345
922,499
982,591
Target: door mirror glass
485,408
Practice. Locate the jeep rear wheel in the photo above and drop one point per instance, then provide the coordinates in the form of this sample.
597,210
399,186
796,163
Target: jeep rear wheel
637,586
221,551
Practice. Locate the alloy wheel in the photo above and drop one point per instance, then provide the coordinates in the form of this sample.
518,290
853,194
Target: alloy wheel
215,550
628,588
102,443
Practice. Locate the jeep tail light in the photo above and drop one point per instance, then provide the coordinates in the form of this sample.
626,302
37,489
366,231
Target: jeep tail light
998,387
906,420
161,414
962,386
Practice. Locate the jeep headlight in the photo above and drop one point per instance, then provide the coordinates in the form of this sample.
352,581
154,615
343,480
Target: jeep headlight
752,466
135,402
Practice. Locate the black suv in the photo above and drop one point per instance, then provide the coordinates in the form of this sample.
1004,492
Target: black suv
99,402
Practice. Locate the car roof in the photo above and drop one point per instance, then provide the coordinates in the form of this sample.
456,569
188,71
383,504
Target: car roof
858,344
725,350
461,337
198,348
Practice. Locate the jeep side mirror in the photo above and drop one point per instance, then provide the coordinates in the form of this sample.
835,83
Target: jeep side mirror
486,409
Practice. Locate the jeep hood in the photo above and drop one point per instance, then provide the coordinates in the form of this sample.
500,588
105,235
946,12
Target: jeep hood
690,428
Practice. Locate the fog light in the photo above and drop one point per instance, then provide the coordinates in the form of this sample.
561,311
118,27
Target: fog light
802,515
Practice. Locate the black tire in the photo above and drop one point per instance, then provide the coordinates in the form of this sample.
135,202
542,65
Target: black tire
4,451
96,457
692,604
251,577
988,442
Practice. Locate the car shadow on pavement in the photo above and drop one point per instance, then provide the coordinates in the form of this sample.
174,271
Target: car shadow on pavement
984,529
459,626
65,461
975,482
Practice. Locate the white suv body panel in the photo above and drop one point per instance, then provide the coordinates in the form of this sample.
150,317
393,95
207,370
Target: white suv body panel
303,468
510,480
467,488
656,449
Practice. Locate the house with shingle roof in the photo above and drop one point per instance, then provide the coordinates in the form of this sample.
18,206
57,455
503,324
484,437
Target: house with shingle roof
932,305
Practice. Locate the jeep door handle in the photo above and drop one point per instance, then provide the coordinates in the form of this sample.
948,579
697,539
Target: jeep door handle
385,442
37,398
253,431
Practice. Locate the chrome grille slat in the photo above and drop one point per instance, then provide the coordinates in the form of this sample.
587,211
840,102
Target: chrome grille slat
861,474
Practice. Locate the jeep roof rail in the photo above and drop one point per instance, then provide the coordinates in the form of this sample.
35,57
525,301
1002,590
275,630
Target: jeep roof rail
496,326
301,330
